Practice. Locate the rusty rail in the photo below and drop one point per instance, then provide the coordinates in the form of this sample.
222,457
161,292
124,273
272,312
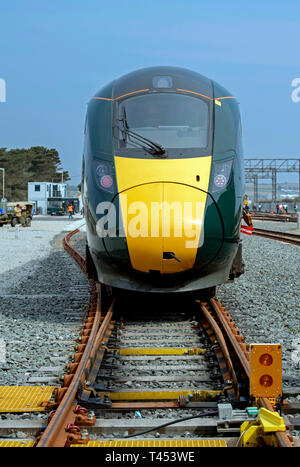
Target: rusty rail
242,352
77,256
229,373
62,428
264,216
64,425
294,239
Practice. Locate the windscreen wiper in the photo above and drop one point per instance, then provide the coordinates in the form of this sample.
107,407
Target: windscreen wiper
153,148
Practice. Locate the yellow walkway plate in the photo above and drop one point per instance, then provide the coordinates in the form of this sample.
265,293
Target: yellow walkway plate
186,443
17,444
160,395
24,398
186,351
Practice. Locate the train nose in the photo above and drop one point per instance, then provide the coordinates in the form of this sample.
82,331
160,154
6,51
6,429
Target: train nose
164,226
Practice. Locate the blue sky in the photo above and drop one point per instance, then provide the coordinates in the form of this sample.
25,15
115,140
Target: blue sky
55,55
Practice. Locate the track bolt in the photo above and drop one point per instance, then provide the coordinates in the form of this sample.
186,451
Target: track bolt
106,399
71,428
67,380
80,410
75,435
72,367
60,392
77,357
182,400
50,416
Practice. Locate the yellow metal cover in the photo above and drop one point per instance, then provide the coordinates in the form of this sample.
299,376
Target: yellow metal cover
265,370
262,429
178,351
24,398
160,395
271,421
187,443
17,444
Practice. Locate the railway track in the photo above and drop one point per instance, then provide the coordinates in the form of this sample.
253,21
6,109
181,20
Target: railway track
294,239
264,216
178,379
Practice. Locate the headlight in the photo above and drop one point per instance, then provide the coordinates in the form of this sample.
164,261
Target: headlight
221,175
104,176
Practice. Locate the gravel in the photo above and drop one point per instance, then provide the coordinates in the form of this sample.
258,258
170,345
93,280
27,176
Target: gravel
289,227
43,297
264,302
20,246
37,285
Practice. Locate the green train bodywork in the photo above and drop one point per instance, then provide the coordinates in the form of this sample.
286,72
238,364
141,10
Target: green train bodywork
219,258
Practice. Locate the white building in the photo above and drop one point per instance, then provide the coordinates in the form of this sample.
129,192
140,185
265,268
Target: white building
40,192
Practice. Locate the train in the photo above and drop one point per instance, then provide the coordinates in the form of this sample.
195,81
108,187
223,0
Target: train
163,183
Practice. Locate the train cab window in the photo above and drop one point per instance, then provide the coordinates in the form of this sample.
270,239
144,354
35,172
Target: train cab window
168,119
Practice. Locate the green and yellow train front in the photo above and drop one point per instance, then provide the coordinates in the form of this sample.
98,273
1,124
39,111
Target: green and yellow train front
163,220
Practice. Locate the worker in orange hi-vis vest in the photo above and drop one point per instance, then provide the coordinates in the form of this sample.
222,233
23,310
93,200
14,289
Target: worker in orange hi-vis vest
71,210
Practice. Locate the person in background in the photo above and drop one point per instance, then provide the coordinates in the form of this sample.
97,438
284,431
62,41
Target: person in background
18,211
70,209
19,215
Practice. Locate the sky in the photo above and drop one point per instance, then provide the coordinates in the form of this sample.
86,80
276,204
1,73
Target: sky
55,55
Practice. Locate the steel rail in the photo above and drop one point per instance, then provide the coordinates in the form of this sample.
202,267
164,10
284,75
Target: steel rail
94,361
77,256
282,438
264,216
55,434
243,354
294,239
220,338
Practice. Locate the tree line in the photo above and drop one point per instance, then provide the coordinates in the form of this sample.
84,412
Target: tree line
29,165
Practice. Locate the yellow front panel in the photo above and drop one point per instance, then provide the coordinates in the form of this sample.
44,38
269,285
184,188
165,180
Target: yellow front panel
163,203
145,251
182,233
132,172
